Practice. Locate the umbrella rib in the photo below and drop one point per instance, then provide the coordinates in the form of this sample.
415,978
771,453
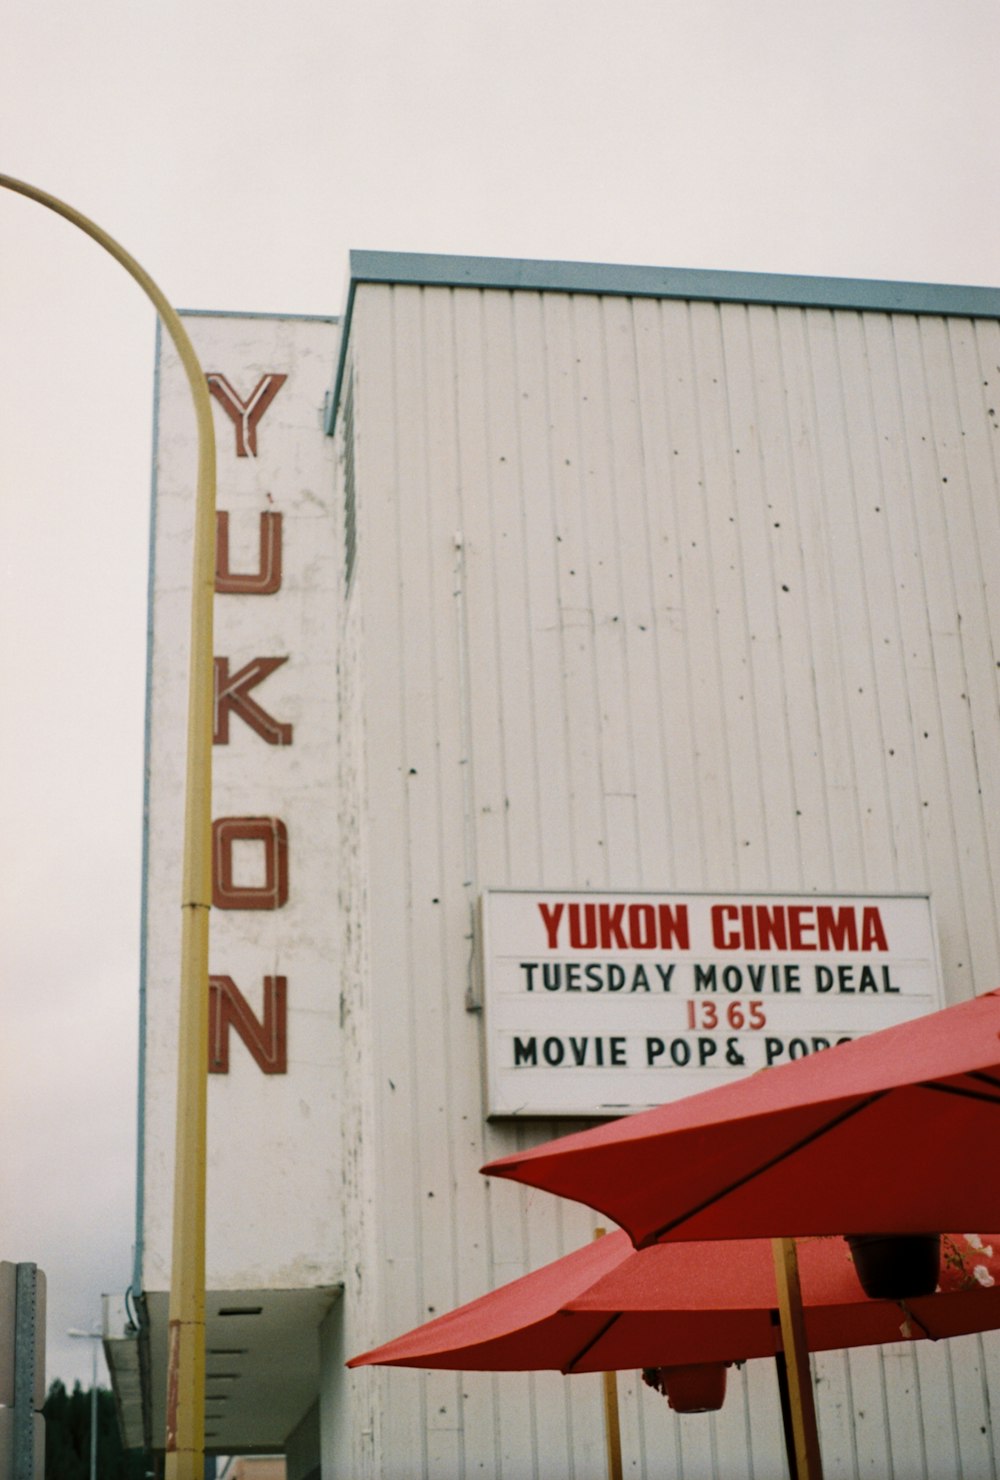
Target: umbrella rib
912,1316
766,1166
967,1094
598,1335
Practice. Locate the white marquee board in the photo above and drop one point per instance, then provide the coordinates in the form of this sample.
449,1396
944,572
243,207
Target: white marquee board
603,1003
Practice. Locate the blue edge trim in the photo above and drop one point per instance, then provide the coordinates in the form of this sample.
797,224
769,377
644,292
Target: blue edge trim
860,294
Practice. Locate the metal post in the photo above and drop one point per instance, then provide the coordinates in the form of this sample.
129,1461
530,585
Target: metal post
26,1376
185,1438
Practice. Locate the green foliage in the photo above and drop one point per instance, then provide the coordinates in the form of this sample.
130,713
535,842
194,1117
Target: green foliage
67,1438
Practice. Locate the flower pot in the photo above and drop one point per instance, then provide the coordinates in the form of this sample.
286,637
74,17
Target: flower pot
896,1266
700,1388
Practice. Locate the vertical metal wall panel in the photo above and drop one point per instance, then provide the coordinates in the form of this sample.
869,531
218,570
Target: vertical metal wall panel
577,798
539,479
677,819
662,595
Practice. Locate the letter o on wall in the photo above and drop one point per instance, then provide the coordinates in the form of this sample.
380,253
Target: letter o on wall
272,835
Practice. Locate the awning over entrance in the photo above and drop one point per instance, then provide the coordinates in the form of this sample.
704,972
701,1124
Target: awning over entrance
262,1365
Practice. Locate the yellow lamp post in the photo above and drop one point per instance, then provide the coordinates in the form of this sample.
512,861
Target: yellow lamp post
186,1361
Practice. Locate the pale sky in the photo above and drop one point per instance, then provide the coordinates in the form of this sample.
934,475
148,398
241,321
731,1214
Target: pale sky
239,151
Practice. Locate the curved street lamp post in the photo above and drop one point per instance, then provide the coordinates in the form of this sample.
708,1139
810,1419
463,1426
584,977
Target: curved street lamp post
186,1355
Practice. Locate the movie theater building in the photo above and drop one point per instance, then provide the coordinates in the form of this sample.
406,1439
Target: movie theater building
607,671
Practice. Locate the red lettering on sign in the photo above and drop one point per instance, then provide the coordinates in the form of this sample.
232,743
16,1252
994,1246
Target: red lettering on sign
674,926
800,927
266,579
837,928
266,1037
582,926
245,415
873,936
551,915
609,918
771,928
232,692
636,927
272,892
641,927
797,927
724,936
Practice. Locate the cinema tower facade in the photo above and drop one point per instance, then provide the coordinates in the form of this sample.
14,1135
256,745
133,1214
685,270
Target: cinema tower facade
607,672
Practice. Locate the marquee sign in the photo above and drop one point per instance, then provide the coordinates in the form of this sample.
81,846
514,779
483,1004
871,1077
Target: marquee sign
601,1004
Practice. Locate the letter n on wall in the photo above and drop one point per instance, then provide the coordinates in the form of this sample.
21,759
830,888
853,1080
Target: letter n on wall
266,1038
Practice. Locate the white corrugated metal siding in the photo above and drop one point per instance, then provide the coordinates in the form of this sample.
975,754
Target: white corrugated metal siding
648,594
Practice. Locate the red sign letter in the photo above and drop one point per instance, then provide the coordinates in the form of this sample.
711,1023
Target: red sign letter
272,892
245,414
267,1040
266,579
232,691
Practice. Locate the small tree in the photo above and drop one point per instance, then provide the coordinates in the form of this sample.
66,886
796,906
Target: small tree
67,1437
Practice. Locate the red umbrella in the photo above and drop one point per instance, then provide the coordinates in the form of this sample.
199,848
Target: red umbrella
684,1309
887,1134
608,1306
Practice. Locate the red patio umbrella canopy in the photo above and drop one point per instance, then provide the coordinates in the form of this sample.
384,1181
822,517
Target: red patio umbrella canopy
887,1134
608,1306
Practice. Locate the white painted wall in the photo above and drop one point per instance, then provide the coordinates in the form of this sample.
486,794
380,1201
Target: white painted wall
274,1164
649,595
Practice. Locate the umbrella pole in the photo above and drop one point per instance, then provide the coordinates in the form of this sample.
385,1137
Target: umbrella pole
612,1428
793,1338
781,1368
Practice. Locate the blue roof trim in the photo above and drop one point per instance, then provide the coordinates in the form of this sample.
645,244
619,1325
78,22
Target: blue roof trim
671,282
859,294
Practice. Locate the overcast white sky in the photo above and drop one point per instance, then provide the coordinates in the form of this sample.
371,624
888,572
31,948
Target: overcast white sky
239,150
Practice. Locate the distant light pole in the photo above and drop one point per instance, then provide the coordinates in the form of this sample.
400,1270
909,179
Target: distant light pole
185,1436
95,1337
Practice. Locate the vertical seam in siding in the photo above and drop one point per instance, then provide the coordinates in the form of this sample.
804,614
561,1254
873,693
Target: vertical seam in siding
601,842
864,565
649,493
524,494
887,496
824,500
407,843
724,781
795,324
737,499
431,492
961,454
671,495
764,480
614,494
951,596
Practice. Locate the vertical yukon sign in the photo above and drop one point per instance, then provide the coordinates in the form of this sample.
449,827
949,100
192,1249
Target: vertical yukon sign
607,1003
272,1030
